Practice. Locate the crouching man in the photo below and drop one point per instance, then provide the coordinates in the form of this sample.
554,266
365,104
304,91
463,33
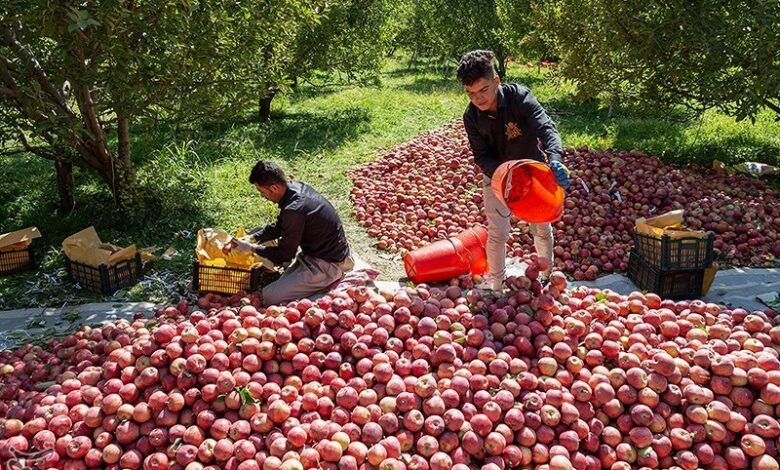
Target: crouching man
306,221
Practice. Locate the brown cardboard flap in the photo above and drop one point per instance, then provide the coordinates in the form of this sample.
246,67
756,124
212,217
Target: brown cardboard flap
18,239
666,219
670,224
85,247
709,277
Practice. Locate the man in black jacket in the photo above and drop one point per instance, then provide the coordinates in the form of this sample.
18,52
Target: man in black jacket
306,221
505,122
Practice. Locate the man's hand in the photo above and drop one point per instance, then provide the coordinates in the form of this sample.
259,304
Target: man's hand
239,246
561,173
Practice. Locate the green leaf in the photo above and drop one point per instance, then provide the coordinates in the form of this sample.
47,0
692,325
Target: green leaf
246,395
36,322
71,316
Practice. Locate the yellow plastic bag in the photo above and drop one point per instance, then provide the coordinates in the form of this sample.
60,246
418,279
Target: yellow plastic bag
209,251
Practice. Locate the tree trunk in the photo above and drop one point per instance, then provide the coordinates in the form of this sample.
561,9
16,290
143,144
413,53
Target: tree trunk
90,144
125,169
65,187
265,106
412,60
501,67
124,140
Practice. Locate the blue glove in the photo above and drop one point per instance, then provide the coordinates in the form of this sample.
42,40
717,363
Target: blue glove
561,173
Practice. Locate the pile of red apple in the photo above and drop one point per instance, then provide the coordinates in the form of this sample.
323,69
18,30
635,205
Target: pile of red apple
429,189
422,378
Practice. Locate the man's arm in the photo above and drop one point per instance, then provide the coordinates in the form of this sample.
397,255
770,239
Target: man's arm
264,234
291,227
542,126
484,156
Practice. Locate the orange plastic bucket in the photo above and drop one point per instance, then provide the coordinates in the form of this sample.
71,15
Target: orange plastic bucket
529,190
445,259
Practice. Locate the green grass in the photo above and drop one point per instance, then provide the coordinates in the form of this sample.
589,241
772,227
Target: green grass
196,177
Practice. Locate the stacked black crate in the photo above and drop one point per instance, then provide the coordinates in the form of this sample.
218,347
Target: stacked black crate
673,268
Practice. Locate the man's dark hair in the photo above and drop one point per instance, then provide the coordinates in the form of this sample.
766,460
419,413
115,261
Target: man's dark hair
475,65
267,173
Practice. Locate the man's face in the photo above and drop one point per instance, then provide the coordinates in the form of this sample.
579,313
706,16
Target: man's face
273,192
484,93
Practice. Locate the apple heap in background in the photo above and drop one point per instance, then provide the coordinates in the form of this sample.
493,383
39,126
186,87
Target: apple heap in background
429,189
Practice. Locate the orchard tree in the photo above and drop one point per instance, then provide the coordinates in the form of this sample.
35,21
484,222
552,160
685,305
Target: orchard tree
706,54
446,29
347,37
416,33
75,77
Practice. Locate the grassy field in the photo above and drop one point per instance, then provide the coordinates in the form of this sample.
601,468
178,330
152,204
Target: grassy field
196,177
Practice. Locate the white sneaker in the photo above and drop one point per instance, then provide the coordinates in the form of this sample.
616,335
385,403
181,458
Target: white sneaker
491,284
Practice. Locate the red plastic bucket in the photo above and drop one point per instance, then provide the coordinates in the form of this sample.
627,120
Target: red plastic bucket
445,259
529,190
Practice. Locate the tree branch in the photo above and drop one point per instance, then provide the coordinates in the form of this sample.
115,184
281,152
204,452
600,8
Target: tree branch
40,151
769,104
35,69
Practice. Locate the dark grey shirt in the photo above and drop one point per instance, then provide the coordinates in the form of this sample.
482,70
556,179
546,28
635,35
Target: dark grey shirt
306,220
513,132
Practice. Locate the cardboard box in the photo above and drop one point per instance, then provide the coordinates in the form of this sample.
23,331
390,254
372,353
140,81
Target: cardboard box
15,252
19,239
85,247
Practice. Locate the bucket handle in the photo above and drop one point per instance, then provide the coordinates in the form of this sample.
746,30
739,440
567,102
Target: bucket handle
467,259
508,185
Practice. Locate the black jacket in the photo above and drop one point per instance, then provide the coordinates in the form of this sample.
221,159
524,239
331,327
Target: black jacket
306,220
512,133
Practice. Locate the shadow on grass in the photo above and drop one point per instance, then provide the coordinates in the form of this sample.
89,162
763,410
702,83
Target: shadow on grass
292,135
664,136
731,150
429,84
30,198
421,67
287,134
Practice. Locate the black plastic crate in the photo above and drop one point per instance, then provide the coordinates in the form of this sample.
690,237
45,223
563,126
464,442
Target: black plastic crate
667,253
230,281
106,279
17,261
675,285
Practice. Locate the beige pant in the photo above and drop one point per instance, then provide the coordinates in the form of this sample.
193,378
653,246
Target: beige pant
499,229
305,277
